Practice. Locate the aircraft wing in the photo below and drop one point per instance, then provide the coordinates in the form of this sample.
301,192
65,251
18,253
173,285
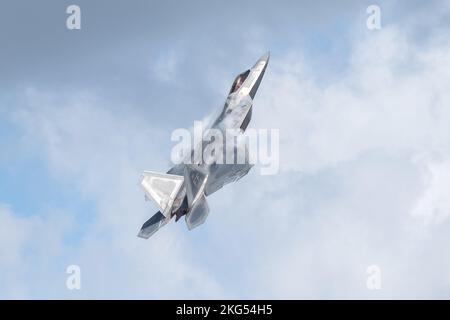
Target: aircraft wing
223,174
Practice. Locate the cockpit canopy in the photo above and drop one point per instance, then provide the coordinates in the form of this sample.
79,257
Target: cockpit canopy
239,81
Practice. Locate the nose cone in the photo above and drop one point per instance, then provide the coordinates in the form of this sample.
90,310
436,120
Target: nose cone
258,72
265,57
262,62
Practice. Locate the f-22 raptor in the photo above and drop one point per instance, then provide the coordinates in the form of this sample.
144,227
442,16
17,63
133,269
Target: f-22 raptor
183,189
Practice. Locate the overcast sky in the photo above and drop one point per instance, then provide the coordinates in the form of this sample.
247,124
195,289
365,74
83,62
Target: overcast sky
364,148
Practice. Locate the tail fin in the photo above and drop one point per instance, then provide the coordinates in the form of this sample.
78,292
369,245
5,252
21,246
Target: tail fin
196,179
162,188
198,214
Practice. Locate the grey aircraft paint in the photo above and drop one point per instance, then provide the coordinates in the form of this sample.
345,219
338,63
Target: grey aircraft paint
183,189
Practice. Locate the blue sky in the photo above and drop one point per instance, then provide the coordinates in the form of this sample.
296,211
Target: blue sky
364,150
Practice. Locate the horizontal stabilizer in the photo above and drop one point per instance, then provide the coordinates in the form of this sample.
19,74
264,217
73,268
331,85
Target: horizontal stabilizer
151,225
162,188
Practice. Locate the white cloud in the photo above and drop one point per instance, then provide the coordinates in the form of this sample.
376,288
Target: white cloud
390,98
353,183
101,152
28,244
433,207
164,67
361,137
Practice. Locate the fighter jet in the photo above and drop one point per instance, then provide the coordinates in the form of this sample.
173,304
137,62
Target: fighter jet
182,191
